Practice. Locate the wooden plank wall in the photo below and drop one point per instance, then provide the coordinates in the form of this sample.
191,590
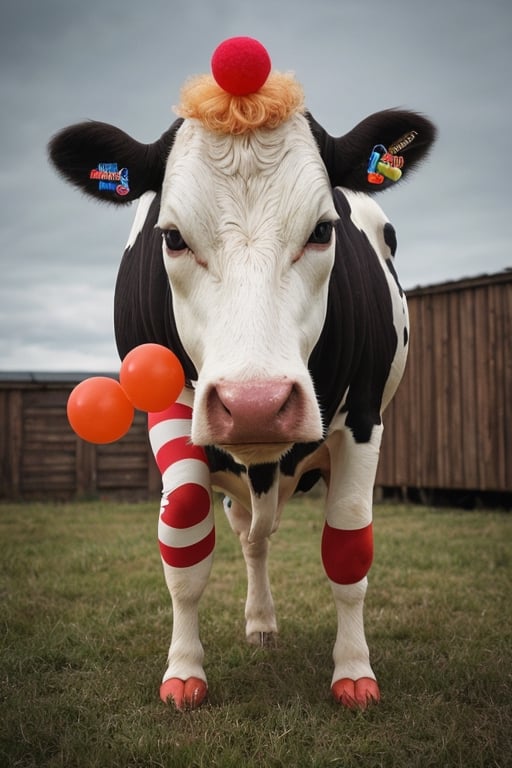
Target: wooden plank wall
42,458
450,425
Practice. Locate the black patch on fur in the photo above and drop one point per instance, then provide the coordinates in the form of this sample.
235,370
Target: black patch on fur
358,341
391,242
308,480
220,461
361,423
391,267
292,459
390,237
406,337
261,477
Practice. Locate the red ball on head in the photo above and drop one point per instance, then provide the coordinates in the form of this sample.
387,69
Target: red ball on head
99,411
240,65
152,377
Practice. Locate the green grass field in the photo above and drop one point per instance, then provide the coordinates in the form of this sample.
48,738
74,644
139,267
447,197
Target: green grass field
86,622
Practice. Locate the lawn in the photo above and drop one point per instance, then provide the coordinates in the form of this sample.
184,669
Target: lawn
86,622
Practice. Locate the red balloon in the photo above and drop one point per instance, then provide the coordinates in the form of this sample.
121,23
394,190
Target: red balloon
240,65
99,411
152,377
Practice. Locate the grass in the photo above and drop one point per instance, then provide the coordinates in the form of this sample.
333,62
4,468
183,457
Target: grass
86,620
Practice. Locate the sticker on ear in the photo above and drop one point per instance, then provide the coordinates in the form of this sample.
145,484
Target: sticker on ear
110,179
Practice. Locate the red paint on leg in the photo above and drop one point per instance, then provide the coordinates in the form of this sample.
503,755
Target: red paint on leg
347,555
187,505
185,557
175,411
184,694
356,694
177,449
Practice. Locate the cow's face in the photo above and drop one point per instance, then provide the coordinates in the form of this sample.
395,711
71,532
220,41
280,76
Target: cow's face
248,246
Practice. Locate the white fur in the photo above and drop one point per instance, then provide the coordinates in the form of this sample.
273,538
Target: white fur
140,217
250,295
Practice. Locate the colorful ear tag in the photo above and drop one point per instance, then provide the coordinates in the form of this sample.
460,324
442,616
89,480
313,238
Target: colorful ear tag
384,164
111,179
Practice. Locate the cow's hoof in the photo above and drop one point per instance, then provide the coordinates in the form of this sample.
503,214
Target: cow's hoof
356,694
263,639
184,694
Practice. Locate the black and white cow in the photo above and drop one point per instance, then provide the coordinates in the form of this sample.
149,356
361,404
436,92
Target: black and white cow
258,256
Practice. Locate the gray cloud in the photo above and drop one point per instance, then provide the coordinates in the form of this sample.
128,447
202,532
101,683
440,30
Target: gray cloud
124,62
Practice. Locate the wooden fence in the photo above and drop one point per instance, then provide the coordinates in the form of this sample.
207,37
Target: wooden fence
42,458
449,427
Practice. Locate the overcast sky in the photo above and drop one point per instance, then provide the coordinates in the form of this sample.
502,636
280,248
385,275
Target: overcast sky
123,62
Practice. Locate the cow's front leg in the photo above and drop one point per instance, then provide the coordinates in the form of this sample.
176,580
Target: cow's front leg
260,618
347,552
186,537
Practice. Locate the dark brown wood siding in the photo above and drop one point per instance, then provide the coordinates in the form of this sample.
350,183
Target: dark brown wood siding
450,425
42,458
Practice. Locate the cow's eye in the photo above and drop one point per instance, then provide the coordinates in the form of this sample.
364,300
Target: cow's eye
321,235
174,240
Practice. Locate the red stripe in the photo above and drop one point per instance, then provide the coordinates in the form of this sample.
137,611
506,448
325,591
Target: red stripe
175,411
188,505
184,557
347,555
177,449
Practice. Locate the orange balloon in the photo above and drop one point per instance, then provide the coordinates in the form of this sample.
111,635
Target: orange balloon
152,377
99,411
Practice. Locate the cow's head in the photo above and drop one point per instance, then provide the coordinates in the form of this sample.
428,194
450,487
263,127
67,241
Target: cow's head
248,242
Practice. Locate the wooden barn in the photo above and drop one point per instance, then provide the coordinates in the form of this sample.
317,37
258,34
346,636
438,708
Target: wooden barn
450,426
448,430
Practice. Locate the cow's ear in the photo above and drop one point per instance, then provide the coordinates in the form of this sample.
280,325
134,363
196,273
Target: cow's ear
107,164
406,135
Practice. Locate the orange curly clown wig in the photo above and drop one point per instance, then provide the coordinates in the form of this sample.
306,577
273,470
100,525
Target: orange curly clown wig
202,99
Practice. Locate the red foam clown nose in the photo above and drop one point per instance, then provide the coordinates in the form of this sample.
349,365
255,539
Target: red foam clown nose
240,65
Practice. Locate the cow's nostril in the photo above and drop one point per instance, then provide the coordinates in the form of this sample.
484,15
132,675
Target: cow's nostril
216,406
289,403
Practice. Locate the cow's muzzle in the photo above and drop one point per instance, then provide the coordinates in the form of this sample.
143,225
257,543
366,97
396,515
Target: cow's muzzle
258,412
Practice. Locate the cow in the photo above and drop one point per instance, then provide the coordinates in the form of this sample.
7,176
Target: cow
259,256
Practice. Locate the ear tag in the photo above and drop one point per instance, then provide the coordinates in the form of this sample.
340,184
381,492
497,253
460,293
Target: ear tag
374,176
402,143
382,164
111,179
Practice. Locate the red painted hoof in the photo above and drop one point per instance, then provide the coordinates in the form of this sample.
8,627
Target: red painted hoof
184,694
356,694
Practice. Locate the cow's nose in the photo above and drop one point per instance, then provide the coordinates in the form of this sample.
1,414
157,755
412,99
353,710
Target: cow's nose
261,411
